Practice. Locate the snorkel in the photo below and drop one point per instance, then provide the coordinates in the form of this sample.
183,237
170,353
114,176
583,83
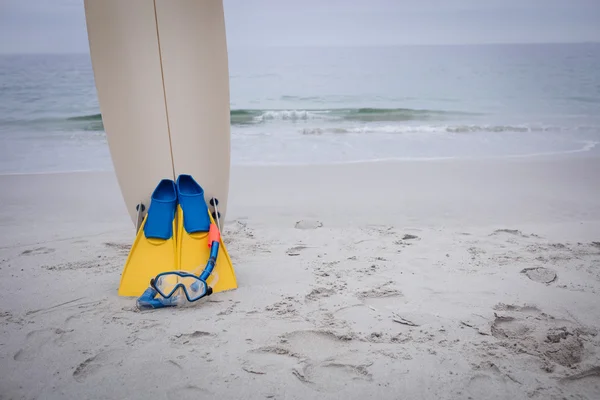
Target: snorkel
180,288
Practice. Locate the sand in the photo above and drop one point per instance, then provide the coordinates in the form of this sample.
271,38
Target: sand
440,279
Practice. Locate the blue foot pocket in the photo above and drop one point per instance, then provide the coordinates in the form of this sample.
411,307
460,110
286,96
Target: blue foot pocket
193,204
161,213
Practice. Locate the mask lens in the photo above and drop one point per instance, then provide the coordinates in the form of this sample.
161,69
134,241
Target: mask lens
195,287
167,283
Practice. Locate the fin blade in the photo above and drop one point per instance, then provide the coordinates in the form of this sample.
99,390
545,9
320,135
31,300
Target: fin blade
194,252
147,258
154,248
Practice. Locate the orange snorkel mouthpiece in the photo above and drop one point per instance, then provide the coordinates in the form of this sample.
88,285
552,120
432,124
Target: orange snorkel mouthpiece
213,234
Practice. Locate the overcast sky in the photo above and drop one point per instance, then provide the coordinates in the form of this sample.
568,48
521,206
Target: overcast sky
58,26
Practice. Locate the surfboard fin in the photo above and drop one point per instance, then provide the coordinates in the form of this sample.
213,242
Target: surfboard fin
194,223
154,249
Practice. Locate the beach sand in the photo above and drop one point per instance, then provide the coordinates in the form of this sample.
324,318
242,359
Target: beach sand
473,279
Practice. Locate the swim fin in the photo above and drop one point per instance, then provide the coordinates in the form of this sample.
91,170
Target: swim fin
154,249
193,225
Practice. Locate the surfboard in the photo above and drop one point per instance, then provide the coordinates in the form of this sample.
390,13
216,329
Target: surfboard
162,79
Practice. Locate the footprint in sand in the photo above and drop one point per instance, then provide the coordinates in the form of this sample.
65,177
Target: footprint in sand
285,308
315,344
40,340
230,309
527,330
331,375
188,391
406,240
122,248
384,296
6,316
319,293
584,384
37,251
296,250
238,229
96,264
381,291
329,361
105,360
369,325
326,320
514,232
269,360
301,345
490,383
540,274
374,311
319,359
192,338
308,224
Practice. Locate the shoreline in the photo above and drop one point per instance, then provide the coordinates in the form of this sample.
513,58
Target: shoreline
353,188
589,149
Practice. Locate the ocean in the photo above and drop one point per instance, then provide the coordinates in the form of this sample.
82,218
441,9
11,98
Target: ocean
319,105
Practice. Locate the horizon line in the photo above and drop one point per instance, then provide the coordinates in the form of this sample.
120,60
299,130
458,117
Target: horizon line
232,46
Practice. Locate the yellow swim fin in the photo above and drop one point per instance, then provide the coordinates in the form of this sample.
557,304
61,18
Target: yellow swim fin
154,249
193,224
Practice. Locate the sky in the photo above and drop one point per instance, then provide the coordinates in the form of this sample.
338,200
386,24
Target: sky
58,26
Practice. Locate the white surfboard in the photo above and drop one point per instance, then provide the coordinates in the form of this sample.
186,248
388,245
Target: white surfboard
162,77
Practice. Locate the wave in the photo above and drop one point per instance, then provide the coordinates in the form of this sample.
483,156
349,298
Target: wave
90,122
396,114
257,116
261,116
242,117
400,129
91,117
335,121
585,99
501,128
361,114
290,115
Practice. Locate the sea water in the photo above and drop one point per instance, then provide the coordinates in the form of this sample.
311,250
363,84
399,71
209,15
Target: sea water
319,105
